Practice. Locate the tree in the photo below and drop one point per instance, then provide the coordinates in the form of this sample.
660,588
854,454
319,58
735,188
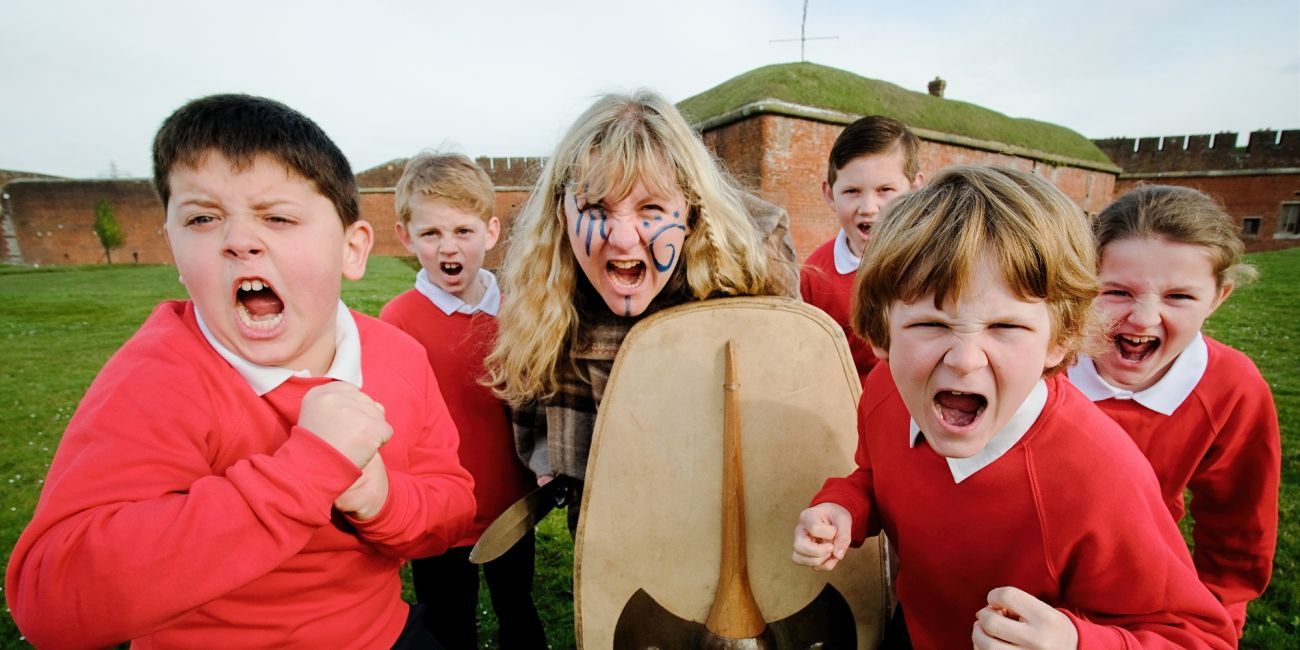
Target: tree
107,228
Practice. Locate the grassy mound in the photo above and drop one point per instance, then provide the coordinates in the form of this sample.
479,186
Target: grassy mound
819,86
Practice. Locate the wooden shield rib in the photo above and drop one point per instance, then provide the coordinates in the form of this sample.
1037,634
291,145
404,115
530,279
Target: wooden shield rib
651,509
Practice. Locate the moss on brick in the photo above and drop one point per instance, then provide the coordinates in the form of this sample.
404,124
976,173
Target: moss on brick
819,86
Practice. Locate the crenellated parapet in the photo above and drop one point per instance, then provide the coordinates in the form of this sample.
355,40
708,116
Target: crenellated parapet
1265,149
505,172
513,171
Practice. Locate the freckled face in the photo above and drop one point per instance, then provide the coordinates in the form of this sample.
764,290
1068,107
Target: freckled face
262,254
963,370
628,248
862,189
1157,294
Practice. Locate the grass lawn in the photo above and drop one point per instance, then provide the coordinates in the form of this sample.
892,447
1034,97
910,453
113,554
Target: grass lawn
59,325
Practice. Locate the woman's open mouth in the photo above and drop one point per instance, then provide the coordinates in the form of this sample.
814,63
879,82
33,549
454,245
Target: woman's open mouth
625,274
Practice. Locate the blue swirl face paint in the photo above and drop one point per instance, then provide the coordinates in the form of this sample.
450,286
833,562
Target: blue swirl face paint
672,248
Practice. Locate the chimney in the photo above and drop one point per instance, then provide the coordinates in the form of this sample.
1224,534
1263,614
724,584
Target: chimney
936,87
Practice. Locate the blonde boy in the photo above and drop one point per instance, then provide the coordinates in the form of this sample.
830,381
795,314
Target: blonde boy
444,206
255,464
873,161
1023,517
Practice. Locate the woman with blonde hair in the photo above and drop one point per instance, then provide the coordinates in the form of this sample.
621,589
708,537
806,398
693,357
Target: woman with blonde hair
631,214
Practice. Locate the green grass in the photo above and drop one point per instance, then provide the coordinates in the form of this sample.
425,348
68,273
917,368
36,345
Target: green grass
1263,320
820,86
59,325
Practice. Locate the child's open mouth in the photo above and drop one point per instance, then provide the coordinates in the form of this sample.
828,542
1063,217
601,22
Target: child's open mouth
258,305
451,268
865,229
625,273
959,409
1135,348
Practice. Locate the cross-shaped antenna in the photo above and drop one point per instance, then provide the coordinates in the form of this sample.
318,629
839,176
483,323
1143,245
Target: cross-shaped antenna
802,38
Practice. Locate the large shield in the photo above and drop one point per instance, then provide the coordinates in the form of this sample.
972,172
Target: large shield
652,509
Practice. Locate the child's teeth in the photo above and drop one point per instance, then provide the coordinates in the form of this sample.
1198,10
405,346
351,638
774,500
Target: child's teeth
257,285
246,285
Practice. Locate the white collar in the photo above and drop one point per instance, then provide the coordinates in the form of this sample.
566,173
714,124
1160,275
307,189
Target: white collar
264,379
845,261
1001,442
449,304
1165,396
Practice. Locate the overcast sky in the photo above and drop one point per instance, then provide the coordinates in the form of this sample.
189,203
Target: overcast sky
85,84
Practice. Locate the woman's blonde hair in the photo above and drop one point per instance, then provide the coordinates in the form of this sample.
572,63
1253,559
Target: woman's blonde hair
1182,215
930,242
617,142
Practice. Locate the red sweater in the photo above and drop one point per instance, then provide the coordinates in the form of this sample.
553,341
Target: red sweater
1071,514
831,291
182,510
1223,444
457,345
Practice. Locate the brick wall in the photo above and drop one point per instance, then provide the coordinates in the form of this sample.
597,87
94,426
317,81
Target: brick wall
53,221
1242,196
784,159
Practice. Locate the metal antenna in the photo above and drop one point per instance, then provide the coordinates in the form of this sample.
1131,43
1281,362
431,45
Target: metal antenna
803,26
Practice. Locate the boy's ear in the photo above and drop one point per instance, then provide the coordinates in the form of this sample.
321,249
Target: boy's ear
1223,293
357,241
918,181
404,236
493,233
881,353
1055,355
828,193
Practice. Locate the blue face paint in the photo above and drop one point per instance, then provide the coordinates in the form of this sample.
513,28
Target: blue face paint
591,213
672,257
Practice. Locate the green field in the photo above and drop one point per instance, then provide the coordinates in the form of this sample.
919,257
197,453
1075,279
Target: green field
59,325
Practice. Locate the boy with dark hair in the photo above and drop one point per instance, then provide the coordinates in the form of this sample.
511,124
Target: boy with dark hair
444,208
255,464
1013,502
873,161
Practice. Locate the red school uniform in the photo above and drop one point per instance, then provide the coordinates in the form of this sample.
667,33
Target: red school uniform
1209,426
183,509
456,346
826,282
1070,512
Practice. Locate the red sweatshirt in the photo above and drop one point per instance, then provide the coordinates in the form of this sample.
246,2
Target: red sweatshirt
832,292
182,510
1223,444
1070,514
457,345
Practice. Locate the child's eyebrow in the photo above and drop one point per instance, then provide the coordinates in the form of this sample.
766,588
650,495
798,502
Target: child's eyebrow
200,201
267,204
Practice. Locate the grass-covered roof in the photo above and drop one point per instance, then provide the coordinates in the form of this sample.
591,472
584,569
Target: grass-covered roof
819,86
